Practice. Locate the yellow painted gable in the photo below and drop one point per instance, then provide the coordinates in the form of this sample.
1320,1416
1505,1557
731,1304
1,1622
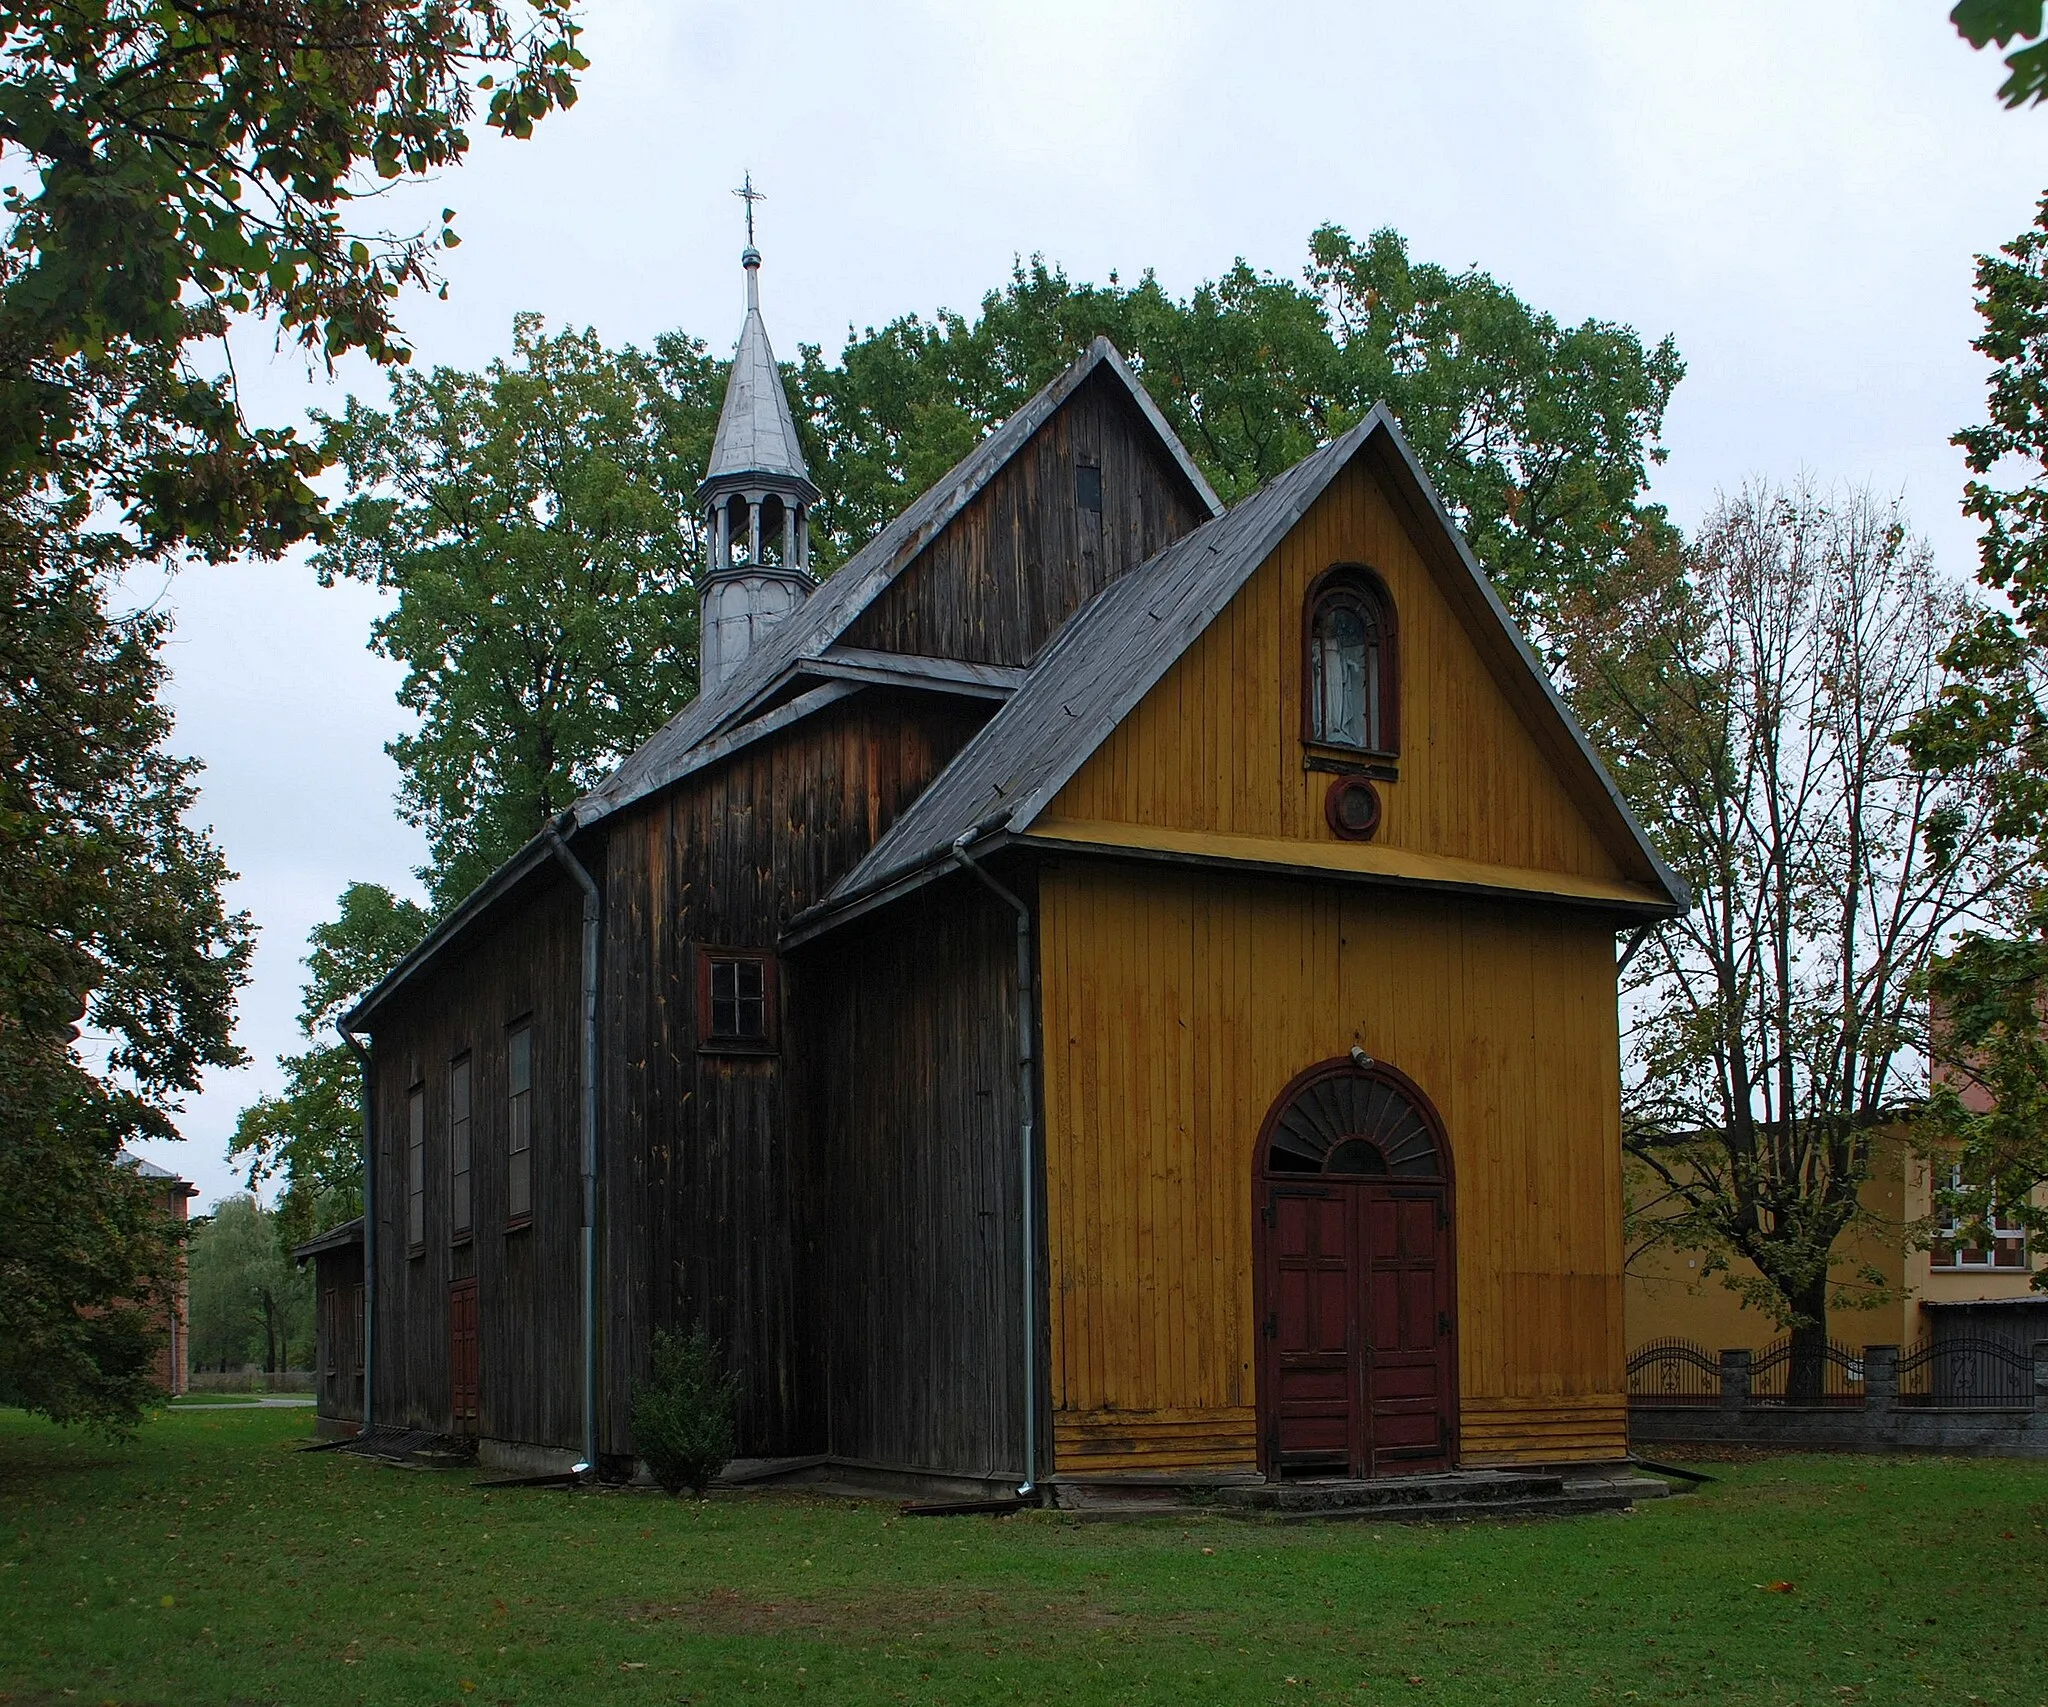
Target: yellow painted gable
1215,748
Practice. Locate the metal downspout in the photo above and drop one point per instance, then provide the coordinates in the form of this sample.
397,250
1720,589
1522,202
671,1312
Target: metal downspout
591,925
1029,1220
362,1056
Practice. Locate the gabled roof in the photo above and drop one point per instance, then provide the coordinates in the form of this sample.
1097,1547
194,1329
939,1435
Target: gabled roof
1112,652
808,632
756,432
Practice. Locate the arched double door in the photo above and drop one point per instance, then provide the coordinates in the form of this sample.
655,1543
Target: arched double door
1357,1317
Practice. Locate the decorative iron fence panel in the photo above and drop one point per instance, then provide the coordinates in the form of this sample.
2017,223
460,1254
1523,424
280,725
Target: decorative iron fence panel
1673,1372
1831,1374
1966,1371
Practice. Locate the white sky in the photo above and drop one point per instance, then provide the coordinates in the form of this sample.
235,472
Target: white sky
1796,192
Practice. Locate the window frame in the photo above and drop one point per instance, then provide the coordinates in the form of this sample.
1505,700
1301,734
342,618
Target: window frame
461,1149
1366,587
1947,1243
518,1125
710,1042
416,1168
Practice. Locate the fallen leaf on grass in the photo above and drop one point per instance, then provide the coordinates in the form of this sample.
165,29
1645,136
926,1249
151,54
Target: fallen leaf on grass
1775,1588
632,1665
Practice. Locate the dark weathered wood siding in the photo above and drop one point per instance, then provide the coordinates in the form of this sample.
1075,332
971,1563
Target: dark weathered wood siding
697,1161
911,1157
1024,556
529,1317
338,1334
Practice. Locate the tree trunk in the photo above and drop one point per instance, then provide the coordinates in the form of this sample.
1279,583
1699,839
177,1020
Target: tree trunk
1807,1375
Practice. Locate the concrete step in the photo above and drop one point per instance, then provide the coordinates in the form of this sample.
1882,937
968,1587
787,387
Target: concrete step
1467,1487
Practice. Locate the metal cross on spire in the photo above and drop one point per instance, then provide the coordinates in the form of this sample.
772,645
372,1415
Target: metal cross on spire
748,194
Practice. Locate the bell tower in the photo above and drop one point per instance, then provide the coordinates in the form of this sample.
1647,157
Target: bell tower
756,498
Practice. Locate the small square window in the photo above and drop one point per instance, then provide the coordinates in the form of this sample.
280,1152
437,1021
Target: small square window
736,1000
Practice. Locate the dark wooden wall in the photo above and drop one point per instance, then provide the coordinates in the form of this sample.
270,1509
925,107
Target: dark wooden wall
529,1312
911,1169
338,1334
709,1209
697,1164
1024,556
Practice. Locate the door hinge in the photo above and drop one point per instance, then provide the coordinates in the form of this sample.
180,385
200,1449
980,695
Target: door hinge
1268,1212
1443,1215
1273,1324
1443,1324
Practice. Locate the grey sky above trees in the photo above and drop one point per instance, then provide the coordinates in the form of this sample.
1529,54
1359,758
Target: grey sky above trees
1800,210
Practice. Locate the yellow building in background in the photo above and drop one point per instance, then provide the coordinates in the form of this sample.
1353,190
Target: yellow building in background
1669,1295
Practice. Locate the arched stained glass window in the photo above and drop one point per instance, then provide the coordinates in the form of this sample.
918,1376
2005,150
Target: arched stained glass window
1351,664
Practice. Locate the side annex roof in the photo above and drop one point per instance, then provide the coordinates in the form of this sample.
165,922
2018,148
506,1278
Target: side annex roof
1113,651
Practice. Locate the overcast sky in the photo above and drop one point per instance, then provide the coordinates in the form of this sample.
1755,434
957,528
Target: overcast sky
1795,192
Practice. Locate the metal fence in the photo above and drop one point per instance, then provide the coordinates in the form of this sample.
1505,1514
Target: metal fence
1829,1374
1673,1372
1966,1371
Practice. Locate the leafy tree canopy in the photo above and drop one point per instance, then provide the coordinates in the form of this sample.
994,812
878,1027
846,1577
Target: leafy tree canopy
1541,436
111,924
250,1303
1980,22
188,162
536,523
309,1134
1993,715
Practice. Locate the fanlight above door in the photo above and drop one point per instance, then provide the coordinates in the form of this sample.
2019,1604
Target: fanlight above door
1353,1122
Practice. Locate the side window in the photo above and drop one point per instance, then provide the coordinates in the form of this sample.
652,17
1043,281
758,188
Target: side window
736,1000
519,1123
1350,677
460,1214
416,1169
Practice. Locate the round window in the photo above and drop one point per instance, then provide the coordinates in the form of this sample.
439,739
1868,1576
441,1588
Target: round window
1353,808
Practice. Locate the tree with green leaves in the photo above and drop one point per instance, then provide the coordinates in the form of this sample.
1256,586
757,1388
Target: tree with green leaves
535,522
1982,22
1993,715
119,965
1750,693
194,163
177,165
249,1302
309,1134
1541,436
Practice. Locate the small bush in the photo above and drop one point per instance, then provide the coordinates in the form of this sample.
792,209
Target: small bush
683,1417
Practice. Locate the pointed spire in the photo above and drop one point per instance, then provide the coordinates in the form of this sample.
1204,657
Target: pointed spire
755,497
756,432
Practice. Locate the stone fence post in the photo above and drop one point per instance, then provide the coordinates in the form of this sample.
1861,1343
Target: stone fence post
2041,1375
1735,1378
1881,1377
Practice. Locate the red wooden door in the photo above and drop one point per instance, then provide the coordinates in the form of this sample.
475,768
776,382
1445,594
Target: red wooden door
1407,1308
1357,1378
462,1356
1310,1325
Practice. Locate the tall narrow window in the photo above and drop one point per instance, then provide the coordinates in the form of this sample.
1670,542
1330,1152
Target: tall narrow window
519,1124
416,1168
1350,664
460,1214
736,1000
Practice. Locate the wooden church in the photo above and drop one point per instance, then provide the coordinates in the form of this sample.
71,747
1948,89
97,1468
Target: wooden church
1101,985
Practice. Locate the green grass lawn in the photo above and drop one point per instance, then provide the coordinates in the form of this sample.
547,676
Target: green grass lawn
207,1562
